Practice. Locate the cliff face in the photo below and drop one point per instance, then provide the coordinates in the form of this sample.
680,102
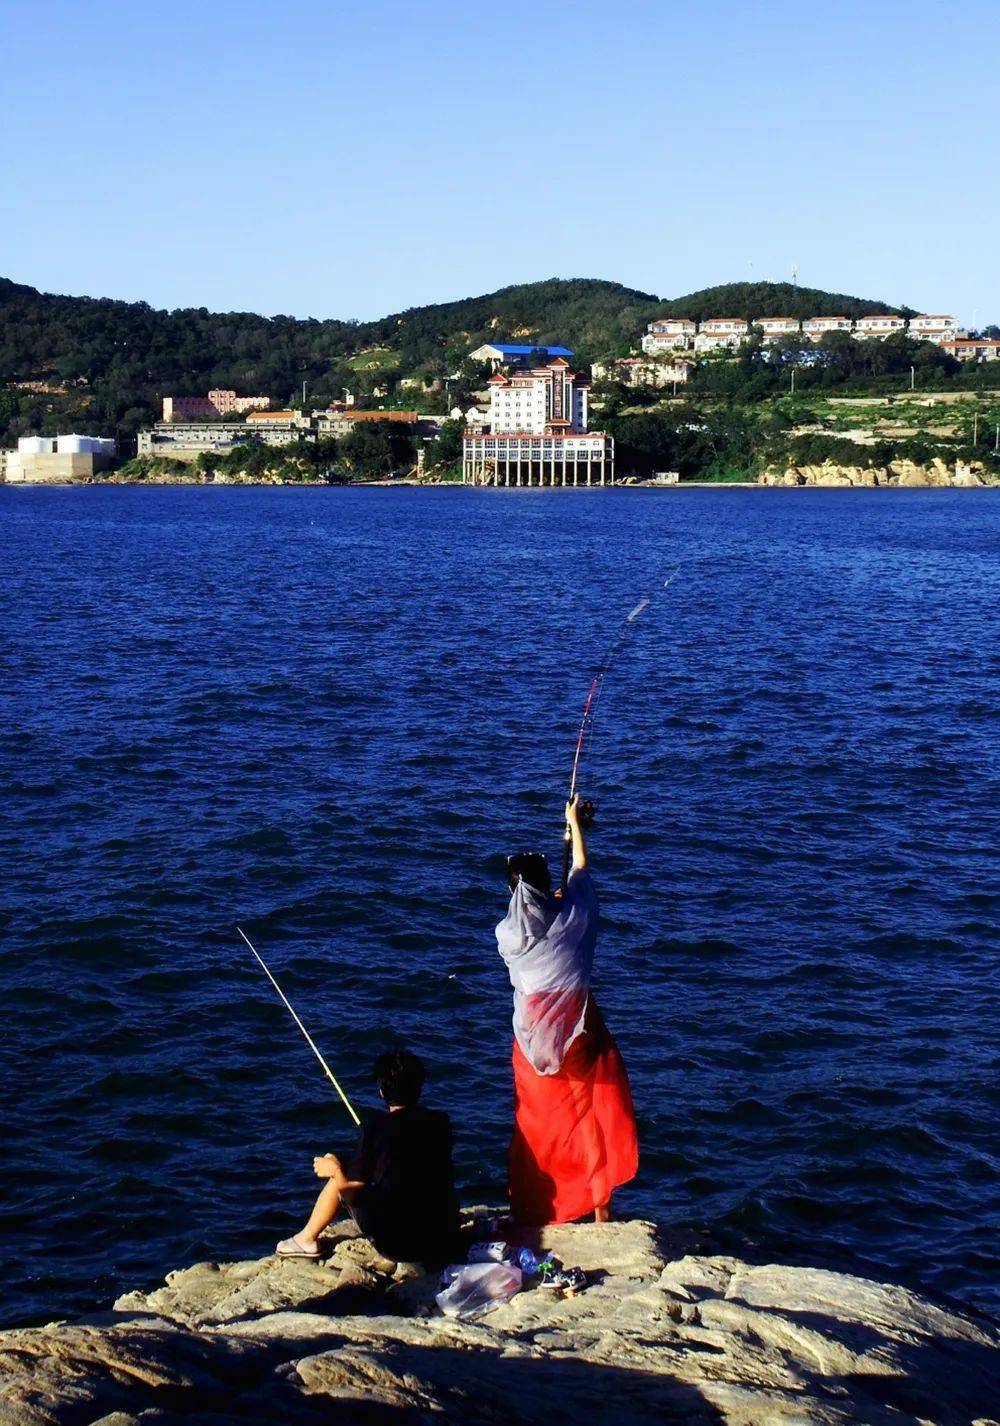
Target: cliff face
660,1335
898,473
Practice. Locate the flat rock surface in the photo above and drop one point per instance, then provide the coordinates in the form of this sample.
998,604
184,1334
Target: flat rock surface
657,1336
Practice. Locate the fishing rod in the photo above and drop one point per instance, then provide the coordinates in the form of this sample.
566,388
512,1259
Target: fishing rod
309,1040
590,707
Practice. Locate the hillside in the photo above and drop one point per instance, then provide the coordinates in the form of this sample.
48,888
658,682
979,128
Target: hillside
110,362
772,299
101,364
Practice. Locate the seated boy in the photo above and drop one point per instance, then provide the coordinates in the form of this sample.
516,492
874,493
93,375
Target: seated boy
398,1187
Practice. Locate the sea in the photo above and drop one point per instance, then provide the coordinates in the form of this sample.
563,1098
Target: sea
327,716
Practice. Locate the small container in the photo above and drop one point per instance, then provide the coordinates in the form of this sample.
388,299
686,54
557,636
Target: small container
532,1265
488,1252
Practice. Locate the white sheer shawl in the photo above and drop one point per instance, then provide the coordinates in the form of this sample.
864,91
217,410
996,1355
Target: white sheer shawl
548,944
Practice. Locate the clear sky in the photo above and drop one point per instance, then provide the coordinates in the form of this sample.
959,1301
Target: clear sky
328,159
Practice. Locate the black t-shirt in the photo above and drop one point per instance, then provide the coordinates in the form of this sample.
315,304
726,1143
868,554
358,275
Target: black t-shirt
407,1207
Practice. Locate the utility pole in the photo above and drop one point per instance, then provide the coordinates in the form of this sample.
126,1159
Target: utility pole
996,443
793,381
913,372
975,427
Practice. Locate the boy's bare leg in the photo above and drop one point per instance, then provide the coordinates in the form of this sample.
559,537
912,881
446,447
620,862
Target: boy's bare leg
336,1191
326,1209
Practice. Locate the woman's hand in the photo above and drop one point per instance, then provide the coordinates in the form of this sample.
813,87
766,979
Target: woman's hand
329,1166
573,810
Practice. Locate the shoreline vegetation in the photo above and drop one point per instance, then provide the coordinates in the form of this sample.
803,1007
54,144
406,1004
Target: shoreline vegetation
667,1327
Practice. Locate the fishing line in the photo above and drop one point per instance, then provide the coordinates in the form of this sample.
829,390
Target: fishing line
630,619
309,1039
592,703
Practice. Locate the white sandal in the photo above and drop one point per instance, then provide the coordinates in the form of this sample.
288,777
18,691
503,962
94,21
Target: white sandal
292,1248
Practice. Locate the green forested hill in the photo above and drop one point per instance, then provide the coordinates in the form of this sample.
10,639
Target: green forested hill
771,299
117,359
108,363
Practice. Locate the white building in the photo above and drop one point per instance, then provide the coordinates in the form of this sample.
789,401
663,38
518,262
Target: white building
721,332
973,348
933,329
669,334
188,439
816,327
531,400
732,329
776,327
882,325
60,459
538,433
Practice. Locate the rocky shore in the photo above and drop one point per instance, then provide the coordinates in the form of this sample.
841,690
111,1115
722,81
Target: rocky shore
665,1332
902,474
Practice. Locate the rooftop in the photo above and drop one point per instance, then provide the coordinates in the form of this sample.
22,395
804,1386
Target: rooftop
509,350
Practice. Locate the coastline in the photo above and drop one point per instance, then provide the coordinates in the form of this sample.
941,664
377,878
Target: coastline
627,484
667,1329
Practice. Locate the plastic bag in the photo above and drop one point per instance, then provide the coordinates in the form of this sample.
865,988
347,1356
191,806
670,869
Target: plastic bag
478,1288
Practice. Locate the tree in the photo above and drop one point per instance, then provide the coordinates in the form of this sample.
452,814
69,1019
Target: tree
376,449
446,450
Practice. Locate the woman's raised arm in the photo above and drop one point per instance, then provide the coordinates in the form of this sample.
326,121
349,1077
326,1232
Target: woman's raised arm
576,832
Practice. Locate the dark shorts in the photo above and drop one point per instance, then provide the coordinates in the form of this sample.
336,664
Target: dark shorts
369,1216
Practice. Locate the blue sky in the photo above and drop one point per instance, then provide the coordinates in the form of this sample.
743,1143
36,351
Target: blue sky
351,160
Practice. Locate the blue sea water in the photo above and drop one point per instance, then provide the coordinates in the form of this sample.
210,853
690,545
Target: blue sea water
328,714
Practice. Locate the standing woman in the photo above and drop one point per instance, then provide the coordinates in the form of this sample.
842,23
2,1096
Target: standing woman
574,1137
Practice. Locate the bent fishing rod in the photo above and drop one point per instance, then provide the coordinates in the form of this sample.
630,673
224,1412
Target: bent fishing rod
587,722
309,1039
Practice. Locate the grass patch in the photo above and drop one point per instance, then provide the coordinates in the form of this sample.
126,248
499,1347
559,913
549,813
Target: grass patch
379,359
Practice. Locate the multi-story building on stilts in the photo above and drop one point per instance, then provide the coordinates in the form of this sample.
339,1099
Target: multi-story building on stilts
538,433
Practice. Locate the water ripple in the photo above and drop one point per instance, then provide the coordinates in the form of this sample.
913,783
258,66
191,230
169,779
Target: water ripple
328,715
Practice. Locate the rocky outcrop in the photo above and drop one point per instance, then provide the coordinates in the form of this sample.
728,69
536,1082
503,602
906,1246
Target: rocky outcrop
899,473
659,1335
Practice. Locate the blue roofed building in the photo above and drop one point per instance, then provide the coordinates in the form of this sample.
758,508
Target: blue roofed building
499,354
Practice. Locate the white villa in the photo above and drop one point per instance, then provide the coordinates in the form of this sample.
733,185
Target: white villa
973,348
934,329
676,334
776,327
881,326
668,334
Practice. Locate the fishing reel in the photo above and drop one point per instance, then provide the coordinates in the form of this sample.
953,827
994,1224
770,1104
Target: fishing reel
586,810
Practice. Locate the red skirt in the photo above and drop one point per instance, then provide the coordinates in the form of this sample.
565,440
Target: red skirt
574,1138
